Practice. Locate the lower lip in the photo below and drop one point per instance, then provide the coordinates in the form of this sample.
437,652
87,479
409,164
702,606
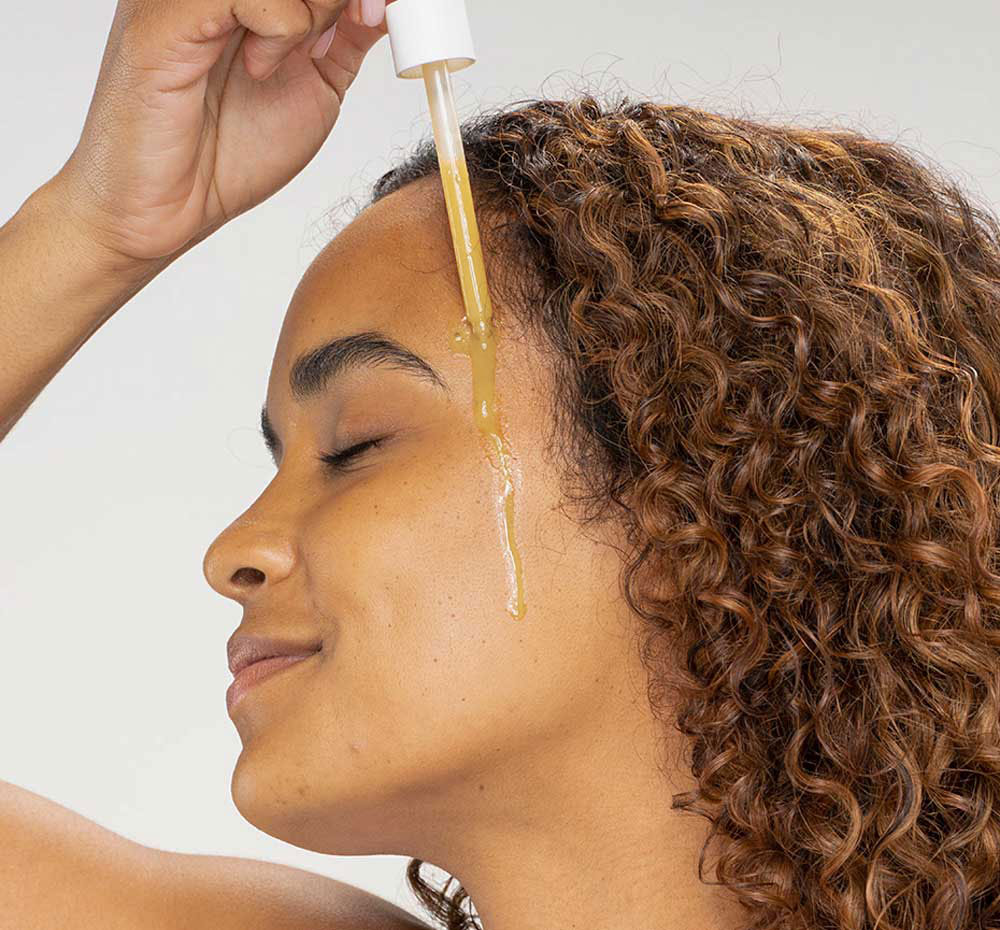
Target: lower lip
257,672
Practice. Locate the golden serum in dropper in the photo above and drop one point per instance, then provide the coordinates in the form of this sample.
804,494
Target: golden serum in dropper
431,38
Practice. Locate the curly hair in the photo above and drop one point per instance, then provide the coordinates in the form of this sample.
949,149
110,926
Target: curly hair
776,358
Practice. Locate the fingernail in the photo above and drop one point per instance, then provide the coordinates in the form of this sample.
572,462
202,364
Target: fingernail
372,11
323,43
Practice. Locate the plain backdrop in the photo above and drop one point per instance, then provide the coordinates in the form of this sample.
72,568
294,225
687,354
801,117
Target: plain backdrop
146,445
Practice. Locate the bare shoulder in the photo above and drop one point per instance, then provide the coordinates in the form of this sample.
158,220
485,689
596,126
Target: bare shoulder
235,893
59,869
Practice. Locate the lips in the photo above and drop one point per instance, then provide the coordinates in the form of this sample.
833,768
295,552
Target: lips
244,649
250,676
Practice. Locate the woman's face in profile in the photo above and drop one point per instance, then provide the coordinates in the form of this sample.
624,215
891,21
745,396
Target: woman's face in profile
428,704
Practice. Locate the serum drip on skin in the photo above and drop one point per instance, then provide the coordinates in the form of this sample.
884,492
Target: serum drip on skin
429,38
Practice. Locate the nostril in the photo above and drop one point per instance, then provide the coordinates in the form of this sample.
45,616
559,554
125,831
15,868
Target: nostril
248,575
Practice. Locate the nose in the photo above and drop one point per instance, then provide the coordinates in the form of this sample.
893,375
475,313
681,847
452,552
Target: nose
246,555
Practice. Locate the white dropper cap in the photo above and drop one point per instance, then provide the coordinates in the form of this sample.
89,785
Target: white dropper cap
422,31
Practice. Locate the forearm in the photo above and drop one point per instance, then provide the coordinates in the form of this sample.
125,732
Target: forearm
56,291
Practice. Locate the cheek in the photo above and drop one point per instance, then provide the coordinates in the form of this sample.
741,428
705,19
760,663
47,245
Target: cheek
409,567
416,547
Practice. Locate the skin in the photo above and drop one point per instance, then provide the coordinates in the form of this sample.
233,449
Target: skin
521,756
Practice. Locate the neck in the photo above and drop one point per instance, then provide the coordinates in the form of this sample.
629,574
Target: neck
583,837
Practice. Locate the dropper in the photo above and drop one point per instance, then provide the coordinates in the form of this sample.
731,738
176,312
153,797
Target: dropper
430,39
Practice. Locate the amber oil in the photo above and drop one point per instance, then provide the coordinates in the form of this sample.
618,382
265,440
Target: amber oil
474,335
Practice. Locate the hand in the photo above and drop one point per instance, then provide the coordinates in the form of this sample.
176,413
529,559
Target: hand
202,110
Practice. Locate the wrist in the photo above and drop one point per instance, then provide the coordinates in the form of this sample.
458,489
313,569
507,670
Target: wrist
57,288
51,205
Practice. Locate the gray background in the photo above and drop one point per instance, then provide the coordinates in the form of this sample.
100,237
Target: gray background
145,446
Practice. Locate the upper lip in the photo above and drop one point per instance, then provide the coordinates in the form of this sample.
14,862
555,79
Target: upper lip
243,649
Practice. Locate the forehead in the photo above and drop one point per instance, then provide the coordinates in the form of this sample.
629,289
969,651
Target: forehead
391,269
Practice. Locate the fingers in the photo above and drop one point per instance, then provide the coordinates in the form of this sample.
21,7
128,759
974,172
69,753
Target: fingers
274,28
322,45
346,55
369,13
372,12
279,26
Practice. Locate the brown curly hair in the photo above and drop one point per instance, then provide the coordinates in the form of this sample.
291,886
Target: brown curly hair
776,356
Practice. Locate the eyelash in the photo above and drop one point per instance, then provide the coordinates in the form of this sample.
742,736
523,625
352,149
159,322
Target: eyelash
337,461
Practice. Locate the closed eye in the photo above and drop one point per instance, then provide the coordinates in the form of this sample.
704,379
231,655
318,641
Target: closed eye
338,461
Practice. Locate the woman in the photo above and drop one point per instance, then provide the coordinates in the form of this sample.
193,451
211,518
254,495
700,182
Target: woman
749,378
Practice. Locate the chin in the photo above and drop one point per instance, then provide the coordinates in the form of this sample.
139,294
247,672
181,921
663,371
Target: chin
280,804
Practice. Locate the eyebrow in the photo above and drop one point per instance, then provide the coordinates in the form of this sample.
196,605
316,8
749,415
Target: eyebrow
315,369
